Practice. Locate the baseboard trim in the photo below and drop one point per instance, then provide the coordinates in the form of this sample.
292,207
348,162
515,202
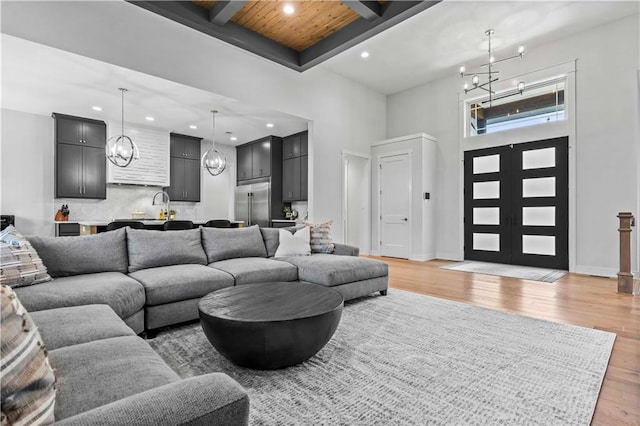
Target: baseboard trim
596,271
449,256
421,257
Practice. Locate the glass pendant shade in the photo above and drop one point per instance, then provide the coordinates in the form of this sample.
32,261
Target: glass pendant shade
213,161
121,150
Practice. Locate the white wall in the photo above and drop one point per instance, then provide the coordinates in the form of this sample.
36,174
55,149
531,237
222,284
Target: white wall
342,114
27,171
606,138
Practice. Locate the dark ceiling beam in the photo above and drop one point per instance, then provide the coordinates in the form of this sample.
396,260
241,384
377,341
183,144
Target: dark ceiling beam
224,10
369,10
196,17
360,30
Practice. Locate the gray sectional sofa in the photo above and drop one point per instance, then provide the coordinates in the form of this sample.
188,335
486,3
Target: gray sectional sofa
109,287
152,279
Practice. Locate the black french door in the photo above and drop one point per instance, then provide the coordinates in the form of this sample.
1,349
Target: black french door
516,204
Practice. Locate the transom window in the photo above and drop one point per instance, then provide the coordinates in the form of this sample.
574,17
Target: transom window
540,103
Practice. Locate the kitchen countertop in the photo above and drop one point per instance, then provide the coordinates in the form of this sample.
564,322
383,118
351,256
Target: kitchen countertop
105,222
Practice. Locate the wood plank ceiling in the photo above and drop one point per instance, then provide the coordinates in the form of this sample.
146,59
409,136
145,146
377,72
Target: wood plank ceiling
316,31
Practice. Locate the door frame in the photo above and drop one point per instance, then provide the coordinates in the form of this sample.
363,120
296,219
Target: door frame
409,153
567,128
366,226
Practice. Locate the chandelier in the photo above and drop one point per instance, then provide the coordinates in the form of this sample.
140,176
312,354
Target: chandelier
491,73
213,161
120,149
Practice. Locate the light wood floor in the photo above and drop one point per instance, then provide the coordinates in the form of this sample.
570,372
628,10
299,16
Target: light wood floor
574,299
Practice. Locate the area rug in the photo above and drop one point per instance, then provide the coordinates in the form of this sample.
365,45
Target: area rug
408,359
513,271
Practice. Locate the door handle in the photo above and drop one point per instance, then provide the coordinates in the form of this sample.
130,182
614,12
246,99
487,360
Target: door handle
405,219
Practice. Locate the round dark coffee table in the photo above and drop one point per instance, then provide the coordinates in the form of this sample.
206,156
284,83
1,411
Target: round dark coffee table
270,325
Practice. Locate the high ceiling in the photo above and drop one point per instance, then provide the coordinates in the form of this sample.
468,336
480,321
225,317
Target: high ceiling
313,31
40,80
433,43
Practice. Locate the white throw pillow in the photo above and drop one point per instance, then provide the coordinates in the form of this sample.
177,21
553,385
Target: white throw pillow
294,244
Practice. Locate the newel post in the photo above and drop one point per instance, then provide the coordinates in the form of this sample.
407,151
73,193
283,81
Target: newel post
625,277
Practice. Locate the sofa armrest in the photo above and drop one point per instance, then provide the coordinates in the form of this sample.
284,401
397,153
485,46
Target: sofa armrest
346,250
210,399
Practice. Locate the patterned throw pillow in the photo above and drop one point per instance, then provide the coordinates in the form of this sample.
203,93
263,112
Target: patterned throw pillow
28,382
321,237
20,265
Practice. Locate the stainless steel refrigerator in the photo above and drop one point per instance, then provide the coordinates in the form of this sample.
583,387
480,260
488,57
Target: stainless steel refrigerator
253,204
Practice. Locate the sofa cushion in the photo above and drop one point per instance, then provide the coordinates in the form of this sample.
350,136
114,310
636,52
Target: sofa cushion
271,237
294,244
79,324
221,244
28,382
321,237
331,269
168,284
96,373
249,270
123,294
85,254
21,265
149,249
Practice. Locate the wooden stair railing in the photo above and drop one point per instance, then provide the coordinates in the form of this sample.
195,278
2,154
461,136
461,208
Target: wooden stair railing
625,277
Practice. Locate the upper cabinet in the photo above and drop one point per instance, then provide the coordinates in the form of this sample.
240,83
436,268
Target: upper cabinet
259,159
80,162
152,168
185,168
185,146
295,151
79,131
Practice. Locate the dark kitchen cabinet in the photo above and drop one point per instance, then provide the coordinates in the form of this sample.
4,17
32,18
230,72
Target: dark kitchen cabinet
295,165
79,131
304,178
184,164
80,162
245,161
183,146
259,159
291,179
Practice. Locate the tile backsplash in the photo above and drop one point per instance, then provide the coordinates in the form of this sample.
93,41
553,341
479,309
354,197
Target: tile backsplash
122,201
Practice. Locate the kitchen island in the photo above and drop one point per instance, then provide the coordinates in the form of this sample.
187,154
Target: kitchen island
87,227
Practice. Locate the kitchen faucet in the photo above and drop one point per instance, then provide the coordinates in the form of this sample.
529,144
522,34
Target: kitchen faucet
164,194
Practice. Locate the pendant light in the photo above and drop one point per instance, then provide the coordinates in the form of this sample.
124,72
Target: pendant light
121,150
213,161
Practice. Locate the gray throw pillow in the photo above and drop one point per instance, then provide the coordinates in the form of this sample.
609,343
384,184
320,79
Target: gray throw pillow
149,249
221,244
85,254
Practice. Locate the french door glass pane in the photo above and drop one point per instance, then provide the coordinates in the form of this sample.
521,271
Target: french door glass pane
486,215
539,158
486,190
487,242
539,216
539,244
486,164
539,187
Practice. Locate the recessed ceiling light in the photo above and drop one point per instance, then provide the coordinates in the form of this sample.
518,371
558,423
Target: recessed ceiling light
269,124
96,108
149,118
364,54
288,9
233,138
193,126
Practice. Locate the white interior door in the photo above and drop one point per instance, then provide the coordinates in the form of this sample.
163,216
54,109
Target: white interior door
395,205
